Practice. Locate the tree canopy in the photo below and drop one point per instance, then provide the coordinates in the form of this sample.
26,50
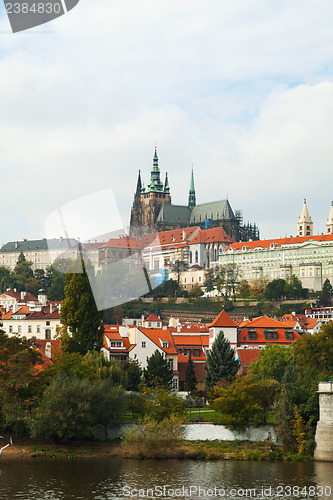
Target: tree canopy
221,362
158,372
82,322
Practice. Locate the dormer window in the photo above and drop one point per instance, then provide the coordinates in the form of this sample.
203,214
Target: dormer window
165,345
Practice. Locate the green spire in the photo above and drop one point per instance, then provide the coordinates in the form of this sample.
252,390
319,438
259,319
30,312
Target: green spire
191,196
166,185
155,185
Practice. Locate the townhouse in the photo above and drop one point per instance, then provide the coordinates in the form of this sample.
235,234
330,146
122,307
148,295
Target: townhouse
40,324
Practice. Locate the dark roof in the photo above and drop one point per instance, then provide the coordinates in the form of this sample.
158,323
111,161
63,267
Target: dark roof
172,214
44,244
218,210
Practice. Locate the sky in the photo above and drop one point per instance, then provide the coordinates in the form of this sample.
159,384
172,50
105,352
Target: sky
243,91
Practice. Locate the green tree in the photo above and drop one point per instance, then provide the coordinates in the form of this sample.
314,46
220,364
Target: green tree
247,401
275,289
221,362
293,288
190,377
82,329
196,291
19,380
272,363
22,274
158,373
244,289
74,407
5,280
233,275
93,365
133,370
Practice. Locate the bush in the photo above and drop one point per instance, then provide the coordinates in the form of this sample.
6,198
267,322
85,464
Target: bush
155,439
73,407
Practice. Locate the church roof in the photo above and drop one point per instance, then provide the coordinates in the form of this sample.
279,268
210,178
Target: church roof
215,211
172,214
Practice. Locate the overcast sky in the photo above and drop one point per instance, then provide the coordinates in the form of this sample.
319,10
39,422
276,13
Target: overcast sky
243,90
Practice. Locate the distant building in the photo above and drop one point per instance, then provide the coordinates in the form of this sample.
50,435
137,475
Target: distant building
41,253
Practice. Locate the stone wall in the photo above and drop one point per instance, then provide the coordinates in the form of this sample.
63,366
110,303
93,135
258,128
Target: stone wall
209,432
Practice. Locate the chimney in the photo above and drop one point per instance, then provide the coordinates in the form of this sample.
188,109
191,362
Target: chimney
52,307
16,244
23,294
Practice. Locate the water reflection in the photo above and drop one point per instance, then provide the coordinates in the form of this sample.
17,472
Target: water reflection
64,479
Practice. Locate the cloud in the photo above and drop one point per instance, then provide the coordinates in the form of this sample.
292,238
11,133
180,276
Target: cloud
242,91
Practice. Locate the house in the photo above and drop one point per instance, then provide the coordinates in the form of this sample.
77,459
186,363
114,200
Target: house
258,332
147,340
39,324
115,345
196,347
301,323
13,297
227,325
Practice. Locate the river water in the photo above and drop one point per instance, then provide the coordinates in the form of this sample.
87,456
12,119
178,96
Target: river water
92,479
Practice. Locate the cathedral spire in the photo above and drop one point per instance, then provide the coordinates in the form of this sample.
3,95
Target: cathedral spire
155,185
138,186
191,194
166,184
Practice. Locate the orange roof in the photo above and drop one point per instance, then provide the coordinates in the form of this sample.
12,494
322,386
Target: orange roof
111,328
171,239
153,317
216,234
260,324
158,335
222,320
184,340
280,241
247,356
304,321
22,310
124,243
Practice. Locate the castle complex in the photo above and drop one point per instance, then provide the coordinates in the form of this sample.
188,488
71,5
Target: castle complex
152,211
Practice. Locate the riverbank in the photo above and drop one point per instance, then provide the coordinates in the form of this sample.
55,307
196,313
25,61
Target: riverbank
200,450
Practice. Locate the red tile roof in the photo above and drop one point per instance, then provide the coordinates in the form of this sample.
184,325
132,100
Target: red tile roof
247,356
280,241
222,320
171,239
153,318
260,324
158,335
44,314
124,243
214,235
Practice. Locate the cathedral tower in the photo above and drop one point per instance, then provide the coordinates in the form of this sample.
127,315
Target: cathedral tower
305,224
329,223
149,200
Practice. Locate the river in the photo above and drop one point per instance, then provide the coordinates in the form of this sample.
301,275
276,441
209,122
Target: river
95,479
